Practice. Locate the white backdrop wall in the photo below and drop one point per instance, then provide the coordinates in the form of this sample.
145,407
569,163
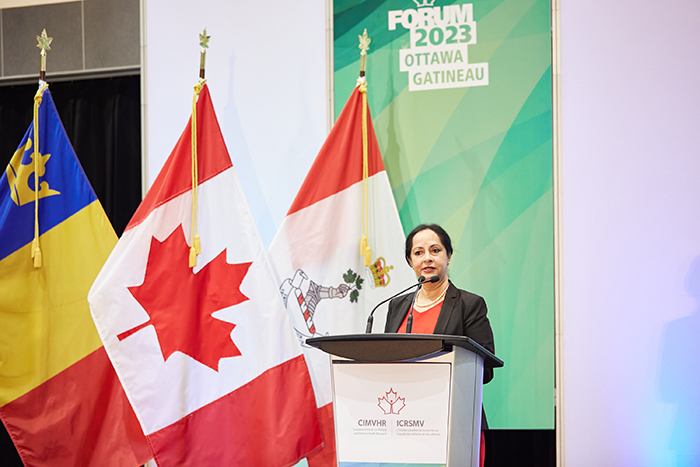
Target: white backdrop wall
266,70
631,198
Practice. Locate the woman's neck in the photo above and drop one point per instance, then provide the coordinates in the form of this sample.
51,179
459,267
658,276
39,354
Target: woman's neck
432,290
439,285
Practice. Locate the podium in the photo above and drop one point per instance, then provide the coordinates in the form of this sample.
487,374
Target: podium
406,399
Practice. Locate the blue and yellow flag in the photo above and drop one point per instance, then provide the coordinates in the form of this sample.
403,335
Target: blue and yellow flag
60,399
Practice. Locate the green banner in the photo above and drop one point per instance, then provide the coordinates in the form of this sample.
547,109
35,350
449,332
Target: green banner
461,100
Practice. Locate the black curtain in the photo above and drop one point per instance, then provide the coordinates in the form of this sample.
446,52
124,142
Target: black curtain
521,448
102,118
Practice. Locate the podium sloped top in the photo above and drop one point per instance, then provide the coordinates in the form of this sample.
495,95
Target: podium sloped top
398,347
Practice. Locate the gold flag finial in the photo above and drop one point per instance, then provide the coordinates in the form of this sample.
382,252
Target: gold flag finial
364,47
44,41
204,44
44,44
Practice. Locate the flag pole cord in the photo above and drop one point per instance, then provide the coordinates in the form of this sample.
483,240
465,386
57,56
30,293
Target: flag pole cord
364,244
362,85
36,250
196,247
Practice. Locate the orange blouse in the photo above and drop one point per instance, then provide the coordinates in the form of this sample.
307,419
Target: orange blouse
423,323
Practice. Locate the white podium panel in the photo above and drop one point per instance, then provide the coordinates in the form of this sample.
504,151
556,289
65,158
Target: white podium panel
406,400
391,413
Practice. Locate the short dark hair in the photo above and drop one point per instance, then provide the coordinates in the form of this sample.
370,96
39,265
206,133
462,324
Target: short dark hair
439,231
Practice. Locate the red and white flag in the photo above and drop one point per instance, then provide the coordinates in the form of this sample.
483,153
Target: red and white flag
327,284
206,354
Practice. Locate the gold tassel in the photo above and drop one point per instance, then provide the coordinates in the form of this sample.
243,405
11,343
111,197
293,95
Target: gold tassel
37,257
193,257
364,243
36,251
197,244
365,250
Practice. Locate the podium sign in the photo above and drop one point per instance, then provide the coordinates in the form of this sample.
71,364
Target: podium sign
391,413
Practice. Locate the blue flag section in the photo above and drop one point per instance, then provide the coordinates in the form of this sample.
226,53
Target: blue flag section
63,186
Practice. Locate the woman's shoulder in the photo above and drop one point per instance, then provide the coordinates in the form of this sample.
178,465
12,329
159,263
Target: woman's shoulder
464,295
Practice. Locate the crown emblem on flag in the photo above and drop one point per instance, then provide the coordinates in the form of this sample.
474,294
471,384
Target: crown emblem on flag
380,273
19,174
426,3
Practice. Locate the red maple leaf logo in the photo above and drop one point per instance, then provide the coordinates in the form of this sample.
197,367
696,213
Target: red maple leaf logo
391,403
180,303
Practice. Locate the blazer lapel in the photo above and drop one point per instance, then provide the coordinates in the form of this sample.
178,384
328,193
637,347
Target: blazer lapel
448,306
398,318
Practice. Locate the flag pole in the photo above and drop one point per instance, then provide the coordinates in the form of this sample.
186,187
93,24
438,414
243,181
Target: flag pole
364,47
44,45
204,44
196,247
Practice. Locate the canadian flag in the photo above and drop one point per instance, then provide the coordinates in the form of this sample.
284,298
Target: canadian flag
326,283
206,354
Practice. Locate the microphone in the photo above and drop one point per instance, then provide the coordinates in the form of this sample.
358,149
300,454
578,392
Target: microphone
370,318
422,280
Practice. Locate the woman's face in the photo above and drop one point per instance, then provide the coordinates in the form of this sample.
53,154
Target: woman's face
428,256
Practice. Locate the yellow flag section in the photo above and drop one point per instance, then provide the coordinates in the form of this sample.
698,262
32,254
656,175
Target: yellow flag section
60,400
44,326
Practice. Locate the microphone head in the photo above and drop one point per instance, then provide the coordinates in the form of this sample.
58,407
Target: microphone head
421,279
433,279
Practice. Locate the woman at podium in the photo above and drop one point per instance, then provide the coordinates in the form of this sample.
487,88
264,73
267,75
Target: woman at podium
440,307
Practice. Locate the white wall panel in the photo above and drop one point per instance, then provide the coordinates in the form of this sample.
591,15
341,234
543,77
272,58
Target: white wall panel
631,112
266,69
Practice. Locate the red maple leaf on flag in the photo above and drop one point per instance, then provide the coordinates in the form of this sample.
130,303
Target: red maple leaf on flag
180,303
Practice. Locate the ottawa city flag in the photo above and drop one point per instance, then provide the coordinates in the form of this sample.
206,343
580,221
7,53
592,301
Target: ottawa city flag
326,284
60,399
207,354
